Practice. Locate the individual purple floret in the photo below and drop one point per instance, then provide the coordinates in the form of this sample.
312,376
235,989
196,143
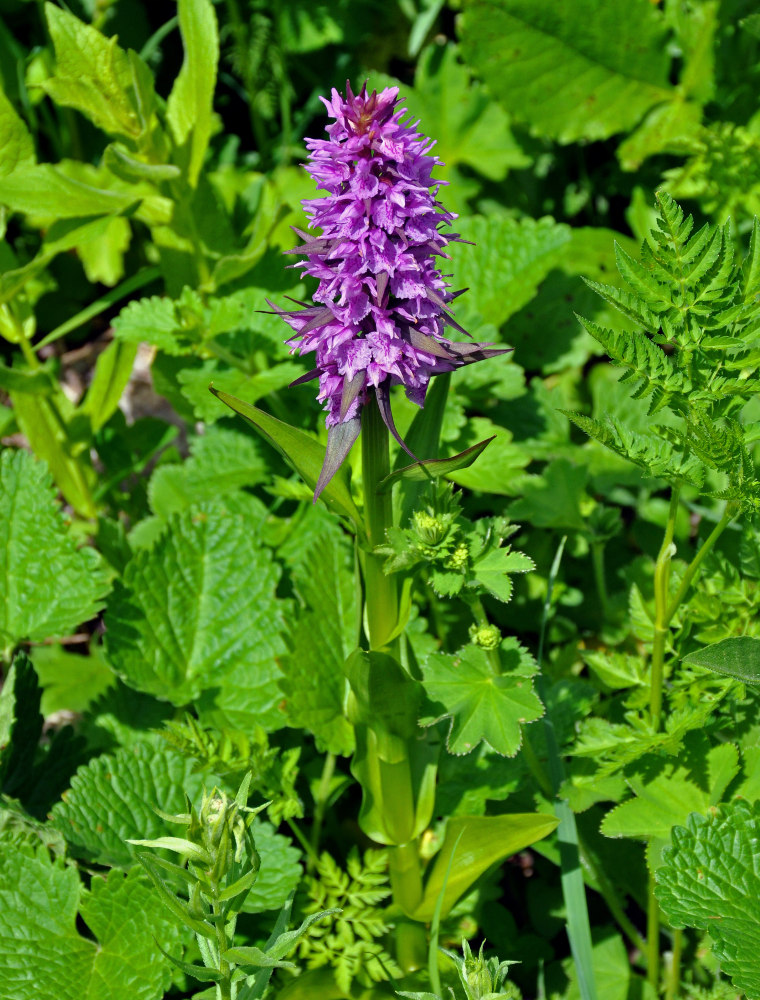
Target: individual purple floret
382,304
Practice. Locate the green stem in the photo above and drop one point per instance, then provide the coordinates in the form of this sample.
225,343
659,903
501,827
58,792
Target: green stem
674,972
225,986
610,897
381,591
653,937
320,805
728,515
600,578
661,619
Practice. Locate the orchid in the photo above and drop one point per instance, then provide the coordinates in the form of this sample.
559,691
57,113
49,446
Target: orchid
382,305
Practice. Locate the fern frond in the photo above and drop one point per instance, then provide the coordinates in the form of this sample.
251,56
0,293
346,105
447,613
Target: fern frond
644,450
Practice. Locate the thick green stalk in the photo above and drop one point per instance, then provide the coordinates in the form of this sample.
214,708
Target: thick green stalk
381,591
381,607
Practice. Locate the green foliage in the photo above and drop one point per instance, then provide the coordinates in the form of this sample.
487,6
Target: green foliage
349,941
50,586
42,950
709,880
195,608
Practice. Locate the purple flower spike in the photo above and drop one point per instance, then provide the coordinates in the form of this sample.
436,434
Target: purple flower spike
382,304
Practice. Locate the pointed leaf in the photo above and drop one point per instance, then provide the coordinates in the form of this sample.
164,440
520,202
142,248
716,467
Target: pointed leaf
340,441
431,468
481,841
305,455
738,657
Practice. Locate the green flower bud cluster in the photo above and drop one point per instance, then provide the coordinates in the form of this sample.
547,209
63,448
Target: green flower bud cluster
484,979
485,636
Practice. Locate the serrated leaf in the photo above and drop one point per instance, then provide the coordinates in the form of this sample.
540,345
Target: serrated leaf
279,873
481,704
197,612
571,71
711,879
502,271
477,842
190,104
195,383
221,461
494,571
49,585
42,952
554,499
70,681
324,635
738,657
113,799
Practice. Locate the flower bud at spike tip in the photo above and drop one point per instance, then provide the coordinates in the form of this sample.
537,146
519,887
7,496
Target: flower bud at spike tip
381,308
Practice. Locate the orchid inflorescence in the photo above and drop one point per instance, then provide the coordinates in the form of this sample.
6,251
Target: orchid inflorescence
382,305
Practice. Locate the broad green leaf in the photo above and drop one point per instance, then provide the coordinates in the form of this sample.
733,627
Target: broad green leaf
301,452
222,461
570,71
493,572
738,657
20,723
195,384
482,705
667,798
553,499
325,632
197,612
95,76
113,799
477,842
45,190
16,145
153,319
70,682
711,880
504,268
190,104
49,586
43,953
424,471
112,371
103,257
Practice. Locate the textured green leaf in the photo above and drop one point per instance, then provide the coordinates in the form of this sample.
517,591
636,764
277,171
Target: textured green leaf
477,842
738,657
222,461
195,383
481,704
500,471
95,76
711,880
49,586
113,799
155,320
493,572
189,107
504,268
326,631
198,612
16,145
665,798
70,682
42,952
571,71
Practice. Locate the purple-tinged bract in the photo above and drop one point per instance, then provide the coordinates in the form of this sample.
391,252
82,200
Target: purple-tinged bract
381,305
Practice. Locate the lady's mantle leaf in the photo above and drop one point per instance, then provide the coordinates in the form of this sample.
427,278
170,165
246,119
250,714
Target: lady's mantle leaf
197,613
711,880
113,798
42,953
49,586
481,704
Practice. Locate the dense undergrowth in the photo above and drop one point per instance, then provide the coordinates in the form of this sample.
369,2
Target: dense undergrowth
485,727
